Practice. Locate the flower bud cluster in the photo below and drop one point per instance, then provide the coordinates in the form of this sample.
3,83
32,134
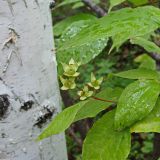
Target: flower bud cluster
69,76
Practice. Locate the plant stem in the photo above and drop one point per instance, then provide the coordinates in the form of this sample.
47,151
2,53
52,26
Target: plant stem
100,99
95,8
74,136
156,150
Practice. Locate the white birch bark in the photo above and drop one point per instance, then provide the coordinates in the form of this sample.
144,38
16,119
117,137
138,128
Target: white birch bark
27,74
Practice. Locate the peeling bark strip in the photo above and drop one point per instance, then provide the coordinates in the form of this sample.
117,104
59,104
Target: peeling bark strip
28,82
12,40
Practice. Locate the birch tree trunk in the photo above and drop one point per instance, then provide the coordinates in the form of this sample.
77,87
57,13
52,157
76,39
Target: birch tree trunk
29,93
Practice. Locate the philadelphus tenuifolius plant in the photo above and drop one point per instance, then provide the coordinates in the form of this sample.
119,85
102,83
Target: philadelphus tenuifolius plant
85,93
69,76
70,70
68,83
95,83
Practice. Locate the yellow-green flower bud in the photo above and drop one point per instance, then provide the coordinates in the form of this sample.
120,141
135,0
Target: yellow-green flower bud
95,83
70,70
85,93
68,83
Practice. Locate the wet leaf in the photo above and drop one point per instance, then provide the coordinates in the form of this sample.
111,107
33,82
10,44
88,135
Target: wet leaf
136,102
114,3
84,53
81,4
104,143
140,73
62,121
78,5
151,123
146,62
67,2
128,22
118,40
146,44
62,25
138,2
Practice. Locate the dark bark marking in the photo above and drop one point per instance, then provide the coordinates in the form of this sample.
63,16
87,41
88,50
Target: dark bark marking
27,105
52,4
4,104
37,2
44,115
10,6
25,3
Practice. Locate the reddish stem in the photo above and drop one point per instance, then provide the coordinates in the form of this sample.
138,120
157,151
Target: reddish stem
99,99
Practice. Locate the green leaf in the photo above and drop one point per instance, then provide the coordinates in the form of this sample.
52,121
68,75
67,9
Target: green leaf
147,147
62,121
62,25
117,42
83,53
136,102
147,45
67,2
97,1
80,111
138,2
151,123
114,3
140,73
104,143
146,62
78,5
127,22
81,4
93,106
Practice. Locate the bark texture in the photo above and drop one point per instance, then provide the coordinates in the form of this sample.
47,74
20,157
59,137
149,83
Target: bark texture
29,93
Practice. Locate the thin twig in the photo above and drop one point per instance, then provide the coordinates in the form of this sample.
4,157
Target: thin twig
155,56
74,136
95,8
